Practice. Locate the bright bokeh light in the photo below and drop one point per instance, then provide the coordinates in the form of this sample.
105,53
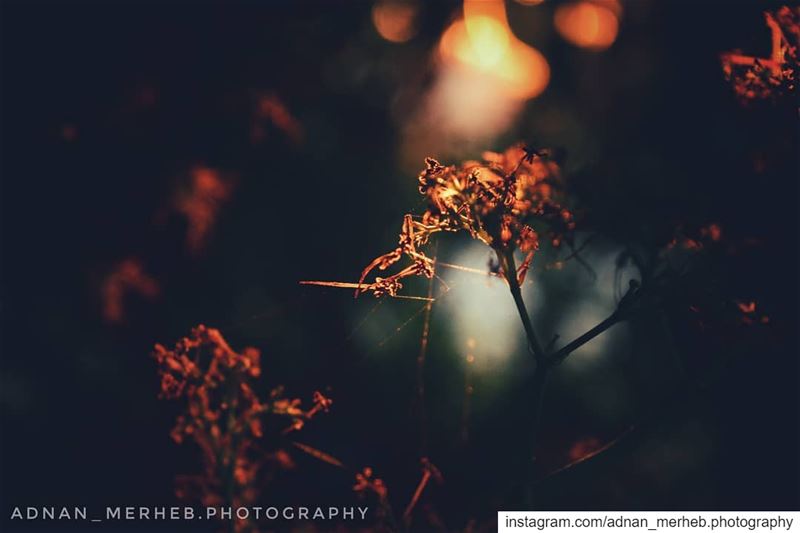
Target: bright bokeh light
487,42
483,43
485,76
464,106
588,24
483,311
395,21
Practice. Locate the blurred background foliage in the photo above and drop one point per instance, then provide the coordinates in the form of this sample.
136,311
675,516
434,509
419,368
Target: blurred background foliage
318,125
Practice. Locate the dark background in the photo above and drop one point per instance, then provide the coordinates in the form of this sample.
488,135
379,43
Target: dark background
668,145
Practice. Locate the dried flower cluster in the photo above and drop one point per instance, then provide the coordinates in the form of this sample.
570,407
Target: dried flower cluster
503,201
756,78
708,308
224,416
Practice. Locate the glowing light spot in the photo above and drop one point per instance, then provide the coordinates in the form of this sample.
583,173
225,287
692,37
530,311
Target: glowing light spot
482,310
487,42
395,21
526,73
485,76
747,307
587,24
483,42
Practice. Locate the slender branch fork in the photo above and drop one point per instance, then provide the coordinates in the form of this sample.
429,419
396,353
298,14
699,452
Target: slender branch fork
607,323
545,357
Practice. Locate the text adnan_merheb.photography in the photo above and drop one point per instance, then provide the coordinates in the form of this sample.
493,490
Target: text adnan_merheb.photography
345,513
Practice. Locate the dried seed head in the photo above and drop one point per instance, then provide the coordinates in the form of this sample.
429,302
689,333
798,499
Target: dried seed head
497,201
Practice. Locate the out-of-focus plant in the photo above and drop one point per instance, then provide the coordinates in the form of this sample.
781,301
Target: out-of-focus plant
756,78
371,487
127,277
225,418
201,203
271,110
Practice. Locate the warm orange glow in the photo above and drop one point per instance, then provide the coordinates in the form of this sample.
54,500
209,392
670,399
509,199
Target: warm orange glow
483,42
395,21
487,41
485,76
587,24
747,307
764,77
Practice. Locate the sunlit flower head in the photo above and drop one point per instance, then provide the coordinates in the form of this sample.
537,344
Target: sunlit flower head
496,201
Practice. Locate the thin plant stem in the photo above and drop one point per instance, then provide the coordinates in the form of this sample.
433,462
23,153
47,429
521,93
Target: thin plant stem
591,455
426,476
468,390
423,349
510,269
538,386
544,361
567,349
539,382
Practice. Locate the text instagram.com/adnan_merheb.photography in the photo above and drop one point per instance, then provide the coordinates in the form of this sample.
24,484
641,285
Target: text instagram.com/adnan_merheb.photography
342,513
